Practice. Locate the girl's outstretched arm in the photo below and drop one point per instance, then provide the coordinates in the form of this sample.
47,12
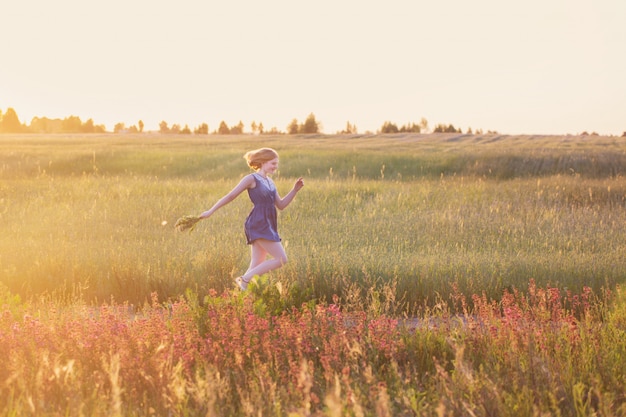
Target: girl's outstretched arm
282,203
245,183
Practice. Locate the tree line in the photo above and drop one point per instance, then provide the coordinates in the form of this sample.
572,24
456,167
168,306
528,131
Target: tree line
10,123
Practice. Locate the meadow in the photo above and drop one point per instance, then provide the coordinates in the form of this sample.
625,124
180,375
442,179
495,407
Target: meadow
440,274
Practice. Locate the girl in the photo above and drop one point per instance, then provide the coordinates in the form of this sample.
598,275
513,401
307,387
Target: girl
261,224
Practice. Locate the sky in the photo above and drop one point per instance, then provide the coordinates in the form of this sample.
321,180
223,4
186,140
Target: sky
516,67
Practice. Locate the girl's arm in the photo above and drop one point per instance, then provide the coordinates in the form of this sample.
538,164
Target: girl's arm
245,183
282,203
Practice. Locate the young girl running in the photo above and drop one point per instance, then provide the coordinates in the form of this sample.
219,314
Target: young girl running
261,225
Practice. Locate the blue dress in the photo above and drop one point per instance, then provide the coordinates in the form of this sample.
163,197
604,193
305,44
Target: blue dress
262,221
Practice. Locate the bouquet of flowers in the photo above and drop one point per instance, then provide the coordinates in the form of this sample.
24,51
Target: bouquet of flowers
186,223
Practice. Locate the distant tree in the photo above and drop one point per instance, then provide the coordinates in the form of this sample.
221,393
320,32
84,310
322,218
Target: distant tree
424,125
203,129
237,129
119,127
310,125
186,130
410,128
141,126
389,127
71,124
98,128
441,128
88,127
349,130
45,125
10,123
163,127
175,129
293,127
223,129
253,127
469,131
260,128
624,134
37,124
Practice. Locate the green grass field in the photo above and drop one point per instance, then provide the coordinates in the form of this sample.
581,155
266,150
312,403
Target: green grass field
415,213
429,275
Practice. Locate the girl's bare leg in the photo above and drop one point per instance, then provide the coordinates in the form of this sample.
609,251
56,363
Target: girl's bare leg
258,255
259,264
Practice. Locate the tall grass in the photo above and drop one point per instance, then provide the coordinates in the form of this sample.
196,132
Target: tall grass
98,214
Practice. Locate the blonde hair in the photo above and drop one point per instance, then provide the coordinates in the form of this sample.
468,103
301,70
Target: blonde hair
258,157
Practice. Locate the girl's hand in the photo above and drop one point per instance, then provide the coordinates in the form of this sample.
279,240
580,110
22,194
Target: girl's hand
299,184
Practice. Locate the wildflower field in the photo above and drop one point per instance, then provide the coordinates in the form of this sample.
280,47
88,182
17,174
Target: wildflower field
442,274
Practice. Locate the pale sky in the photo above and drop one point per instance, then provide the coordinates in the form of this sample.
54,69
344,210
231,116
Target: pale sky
517,67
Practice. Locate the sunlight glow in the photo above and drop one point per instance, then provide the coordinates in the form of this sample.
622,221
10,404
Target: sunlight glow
533,67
